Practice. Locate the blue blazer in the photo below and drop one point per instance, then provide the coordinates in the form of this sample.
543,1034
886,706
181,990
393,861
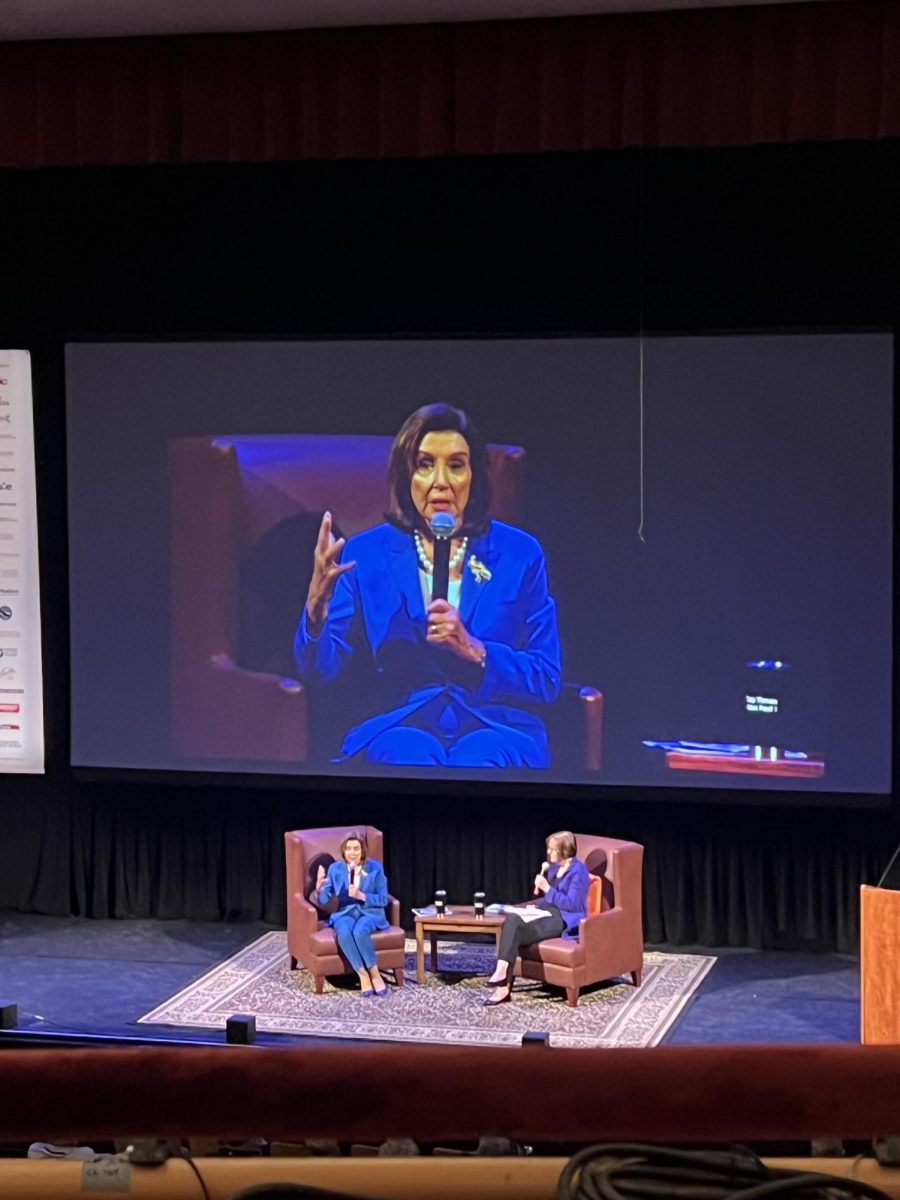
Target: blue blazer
569,894
373,885
377,611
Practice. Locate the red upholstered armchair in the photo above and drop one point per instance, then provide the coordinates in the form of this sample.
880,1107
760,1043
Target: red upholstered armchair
611,937
311,941
244,513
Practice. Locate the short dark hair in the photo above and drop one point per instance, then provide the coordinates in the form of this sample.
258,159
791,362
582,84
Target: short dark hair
355,836
436,418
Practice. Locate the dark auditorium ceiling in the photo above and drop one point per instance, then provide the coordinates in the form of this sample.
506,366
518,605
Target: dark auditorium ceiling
22,20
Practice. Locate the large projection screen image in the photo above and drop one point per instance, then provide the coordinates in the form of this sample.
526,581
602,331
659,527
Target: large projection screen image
661,562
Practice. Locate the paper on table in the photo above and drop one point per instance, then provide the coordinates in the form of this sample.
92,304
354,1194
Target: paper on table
528,912
430,911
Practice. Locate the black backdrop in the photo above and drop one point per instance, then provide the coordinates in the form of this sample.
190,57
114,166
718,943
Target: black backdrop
771,237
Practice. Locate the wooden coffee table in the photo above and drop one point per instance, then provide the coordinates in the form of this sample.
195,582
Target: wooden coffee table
461,920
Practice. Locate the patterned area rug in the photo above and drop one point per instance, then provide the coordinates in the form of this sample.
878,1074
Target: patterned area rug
447,1008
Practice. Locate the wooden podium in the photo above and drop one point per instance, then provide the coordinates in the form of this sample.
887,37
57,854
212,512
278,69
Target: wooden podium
879,963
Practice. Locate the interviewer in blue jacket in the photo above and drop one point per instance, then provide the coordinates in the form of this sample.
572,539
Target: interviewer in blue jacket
457,682
359,884
562,888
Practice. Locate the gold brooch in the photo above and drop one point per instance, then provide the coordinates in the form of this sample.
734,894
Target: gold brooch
479,570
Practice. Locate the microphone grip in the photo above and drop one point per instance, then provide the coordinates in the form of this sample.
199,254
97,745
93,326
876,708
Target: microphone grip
440,580
545,867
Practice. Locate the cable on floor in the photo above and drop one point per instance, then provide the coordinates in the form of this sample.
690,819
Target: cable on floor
638,1172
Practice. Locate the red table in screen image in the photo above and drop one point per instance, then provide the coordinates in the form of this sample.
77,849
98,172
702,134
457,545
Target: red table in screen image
734,764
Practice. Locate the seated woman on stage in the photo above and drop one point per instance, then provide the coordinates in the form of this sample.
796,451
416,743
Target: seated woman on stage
564,891
452,682
361,889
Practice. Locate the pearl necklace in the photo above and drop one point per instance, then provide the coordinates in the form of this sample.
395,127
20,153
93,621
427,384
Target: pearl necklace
428,567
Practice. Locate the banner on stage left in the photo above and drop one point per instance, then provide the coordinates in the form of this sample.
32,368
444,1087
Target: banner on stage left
21,687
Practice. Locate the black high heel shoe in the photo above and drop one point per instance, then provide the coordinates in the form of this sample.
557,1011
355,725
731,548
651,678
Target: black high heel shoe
491,1003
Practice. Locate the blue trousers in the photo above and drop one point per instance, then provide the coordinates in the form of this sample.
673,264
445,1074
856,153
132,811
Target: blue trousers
413,747
353,931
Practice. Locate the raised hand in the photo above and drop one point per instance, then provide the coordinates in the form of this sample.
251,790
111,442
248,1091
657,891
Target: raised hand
327,568
445,628
320,877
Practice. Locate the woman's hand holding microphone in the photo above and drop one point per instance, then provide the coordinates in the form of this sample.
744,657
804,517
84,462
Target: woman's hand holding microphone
353,890
445,628
541,882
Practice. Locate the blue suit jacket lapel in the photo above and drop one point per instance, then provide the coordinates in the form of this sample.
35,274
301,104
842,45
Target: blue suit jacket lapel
404,570
473,591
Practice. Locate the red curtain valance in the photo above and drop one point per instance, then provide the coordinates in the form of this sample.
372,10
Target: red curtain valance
732,76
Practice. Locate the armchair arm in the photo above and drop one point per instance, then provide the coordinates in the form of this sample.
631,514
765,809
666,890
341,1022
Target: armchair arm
590,929
392,908
307,916
603,934
591,702
575,724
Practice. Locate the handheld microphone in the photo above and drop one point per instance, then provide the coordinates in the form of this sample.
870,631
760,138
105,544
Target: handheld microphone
443,527
545,867
352,876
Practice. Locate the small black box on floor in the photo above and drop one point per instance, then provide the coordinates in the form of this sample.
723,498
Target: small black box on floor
535,1039
9,1014
240,1030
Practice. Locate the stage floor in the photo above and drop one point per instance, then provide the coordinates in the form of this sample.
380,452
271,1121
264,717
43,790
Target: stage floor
79,981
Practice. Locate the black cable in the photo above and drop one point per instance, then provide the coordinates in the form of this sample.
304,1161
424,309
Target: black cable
623,1171
602,1170
813,1184
185,1155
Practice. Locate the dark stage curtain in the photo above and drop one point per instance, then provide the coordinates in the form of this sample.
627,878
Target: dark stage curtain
714,876
733,76
772,237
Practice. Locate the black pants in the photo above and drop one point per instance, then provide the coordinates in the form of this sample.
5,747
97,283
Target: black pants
517,933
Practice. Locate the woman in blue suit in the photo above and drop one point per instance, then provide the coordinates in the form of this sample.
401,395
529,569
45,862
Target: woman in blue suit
359,884
456,682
